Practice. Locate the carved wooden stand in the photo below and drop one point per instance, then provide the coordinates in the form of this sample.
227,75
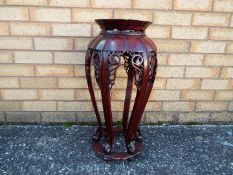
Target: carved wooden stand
121,39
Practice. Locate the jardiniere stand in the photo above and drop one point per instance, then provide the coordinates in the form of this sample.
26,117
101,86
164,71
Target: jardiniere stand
121,40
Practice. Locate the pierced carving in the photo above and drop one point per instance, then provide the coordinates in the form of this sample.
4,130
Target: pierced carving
152,66
97,56
134,59
137,62
87,64
126,61
114,61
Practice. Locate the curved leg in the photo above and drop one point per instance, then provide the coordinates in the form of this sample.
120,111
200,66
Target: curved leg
137,135
107,75
127,100
136,116
98,132
152,58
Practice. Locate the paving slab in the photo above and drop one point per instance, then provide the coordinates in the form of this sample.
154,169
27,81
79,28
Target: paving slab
173,149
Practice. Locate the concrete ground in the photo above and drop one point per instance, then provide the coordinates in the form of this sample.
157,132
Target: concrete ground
175,150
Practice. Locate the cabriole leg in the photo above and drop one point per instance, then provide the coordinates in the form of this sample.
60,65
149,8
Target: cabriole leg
152,61
98,132
141,66
106,101
127,100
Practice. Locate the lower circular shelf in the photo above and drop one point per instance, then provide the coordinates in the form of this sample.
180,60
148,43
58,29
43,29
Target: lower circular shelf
98,148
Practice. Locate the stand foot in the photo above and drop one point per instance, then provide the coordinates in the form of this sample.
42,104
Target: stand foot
138,136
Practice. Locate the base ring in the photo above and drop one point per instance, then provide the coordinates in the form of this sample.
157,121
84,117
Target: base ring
98,148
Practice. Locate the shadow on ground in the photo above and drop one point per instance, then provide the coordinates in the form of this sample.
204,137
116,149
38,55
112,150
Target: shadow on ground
175,150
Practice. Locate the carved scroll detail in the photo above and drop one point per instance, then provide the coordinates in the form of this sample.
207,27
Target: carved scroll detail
97,58
114,61
87,64
126,57
153,66
133,60
137,62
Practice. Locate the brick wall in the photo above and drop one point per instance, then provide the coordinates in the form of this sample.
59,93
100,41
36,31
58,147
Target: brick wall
42,49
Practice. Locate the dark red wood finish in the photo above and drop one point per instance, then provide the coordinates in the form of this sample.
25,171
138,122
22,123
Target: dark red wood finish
121,39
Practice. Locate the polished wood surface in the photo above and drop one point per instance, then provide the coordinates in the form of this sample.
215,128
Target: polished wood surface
121,39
